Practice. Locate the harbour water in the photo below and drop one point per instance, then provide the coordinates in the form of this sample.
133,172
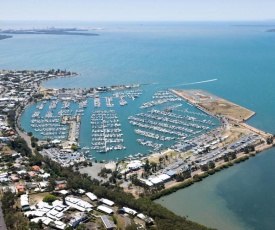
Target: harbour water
173,54
133,121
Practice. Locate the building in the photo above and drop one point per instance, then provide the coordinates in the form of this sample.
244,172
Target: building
77,219
20,189
106,201
108,224
129,211
36,168
61,184
92,196
147,219
105,209
78,204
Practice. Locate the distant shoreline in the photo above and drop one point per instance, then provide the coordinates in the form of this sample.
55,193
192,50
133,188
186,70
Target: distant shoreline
52,31
5,37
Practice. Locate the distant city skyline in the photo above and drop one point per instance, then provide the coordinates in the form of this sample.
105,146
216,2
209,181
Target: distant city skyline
139,10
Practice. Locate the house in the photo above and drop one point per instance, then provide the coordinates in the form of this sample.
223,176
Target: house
32,174
36,168
4,177
14,178
45,175
20,189
31,186
61,184
43,184
9,188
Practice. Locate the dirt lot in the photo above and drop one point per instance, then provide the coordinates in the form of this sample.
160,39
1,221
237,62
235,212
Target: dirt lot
37,197
215,105
227,109
7,150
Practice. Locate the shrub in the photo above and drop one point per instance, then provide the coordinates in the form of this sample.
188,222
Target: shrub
49,198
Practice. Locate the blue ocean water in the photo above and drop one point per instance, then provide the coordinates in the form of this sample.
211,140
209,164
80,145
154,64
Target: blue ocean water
172,54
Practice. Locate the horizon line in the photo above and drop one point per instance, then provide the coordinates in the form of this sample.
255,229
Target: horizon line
90,20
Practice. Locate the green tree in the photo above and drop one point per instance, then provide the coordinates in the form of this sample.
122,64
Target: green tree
74,147
49,198
81,227
51,184
154,166
35,226
131,227
211,165
204,167
147,166
8,200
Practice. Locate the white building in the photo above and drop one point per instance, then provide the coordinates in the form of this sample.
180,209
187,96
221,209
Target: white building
129,211
78,204
105,209
92,196
106,201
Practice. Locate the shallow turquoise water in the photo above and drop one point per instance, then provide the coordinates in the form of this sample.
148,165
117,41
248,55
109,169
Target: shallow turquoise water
240,57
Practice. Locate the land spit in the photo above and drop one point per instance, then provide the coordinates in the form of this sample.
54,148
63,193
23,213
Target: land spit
215,105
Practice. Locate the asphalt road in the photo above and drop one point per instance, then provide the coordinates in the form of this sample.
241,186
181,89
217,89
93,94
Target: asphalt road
23,135
2,222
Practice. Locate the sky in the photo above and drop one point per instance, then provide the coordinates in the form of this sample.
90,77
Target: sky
137,10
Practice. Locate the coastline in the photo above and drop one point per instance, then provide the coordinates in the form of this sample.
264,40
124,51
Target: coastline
2,37
174,186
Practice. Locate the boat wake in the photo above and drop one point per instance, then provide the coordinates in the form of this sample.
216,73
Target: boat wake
199,82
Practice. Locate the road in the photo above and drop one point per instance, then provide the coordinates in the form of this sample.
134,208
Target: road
23,134
2,222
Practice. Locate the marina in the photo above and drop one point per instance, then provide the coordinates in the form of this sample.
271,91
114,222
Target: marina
49,127
106,132
153,129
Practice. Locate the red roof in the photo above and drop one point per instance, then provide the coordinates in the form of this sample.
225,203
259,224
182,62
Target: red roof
36,167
